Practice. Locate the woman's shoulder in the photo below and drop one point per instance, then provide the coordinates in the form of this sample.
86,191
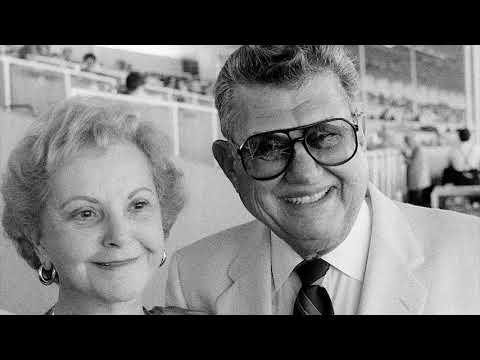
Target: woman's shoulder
173,310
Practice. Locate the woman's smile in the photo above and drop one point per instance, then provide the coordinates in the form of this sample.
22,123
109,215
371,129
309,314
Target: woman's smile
115,264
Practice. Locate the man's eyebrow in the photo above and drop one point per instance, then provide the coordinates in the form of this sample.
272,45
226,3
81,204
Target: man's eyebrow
79,197
143,188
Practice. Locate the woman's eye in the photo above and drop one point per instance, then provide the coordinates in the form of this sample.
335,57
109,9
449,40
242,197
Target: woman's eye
139,205
84,215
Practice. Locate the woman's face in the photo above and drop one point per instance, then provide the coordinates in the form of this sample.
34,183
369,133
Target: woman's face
102,226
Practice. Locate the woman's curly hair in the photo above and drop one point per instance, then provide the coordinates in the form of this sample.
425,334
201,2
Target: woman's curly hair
66,129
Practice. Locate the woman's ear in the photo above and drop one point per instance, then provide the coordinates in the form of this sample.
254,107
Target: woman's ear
222,151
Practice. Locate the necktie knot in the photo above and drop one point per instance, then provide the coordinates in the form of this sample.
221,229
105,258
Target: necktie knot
310,271
312,299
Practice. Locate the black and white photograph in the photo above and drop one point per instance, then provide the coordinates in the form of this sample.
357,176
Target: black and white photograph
240,180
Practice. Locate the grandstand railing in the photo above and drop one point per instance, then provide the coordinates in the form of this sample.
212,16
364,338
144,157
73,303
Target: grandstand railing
170,94
38,85
388,171
191,127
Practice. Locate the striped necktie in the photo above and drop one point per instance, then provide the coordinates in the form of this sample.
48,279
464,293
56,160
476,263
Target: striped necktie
312,299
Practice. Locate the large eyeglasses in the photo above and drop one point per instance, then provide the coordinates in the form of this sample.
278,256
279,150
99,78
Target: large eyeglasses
329,142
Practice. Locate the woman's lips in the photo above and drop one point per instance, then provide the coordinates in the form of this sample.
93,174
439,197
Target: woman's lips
114,264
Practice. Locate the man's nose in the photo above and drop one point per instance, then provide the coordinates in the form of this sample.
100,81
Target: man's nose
118,231
303,168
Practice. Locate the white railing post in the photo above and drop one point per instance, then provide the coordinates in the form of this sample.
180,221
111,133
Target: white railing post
391,172
467,54
214,126
7,84
67,78
176,129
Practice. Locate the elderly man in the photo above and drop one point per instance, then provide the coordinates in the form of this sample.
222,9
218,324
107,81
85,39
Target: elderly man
325,241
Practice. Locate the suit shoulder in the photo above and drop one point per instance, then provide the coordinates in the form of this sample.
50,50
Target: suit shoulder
202,267
437,225
440,216
220,244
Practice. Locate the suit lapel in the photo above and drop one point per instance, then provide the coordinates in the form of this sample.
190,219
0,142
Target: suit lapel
250,272
390,285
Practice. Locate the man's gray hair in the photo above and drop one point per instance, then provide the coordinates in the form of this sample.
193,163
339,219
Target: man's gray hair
282,66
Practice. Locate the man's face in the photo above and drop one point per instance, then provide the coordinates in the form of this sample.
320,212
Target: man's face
312,207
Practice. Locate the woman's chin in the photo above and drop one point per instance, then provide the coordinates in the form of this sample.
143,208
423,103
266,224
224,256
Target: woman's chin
119,292
119,295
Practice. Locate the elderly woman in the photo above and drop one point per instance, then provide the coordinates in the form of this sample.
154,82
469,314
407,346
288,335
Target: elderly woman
90,195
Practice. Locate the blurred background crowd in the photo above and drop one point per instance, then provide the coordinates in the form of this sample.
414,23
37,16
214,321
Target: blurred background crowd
428,101
129,79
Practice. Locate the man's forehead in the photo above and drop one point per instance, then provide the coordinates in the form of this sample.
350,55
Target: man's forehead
264,108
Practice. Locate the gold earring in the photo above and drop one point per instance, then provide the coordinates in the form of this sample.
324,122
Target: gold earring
46,280
163,259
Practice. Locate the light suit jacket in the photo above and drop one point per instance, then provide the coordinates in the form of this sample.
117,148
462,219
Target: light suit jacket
420,261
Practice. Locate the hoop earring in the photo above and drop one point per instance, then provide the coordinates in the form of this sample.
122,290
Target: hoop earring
49,280
163,259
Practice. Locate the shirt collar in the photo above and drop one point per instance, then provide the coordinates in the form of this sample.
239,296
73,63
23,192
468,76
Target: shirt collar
284,260
349,257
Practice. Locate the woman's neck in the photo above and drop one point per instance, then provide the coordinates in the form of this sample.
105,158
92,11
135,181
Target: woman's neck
74,303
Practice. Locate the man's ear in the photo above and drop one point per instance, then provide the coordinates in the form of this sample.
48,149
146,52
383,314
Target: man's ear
222,151
362,132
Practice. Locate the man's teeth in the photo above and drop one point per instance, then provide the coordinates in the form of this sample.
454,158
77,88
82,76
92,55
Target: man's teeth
306,199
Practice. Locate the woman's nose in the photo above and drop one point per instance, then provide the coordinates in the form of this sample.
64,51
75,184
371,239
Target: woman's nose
118,232
303,167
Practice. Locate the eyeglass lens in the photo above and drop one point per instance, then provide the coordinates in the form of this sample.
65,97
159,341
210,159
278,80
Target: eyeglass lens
329,142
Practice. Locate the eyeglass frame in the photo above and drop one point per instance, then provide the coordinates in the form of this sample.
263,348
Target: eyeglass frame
287,132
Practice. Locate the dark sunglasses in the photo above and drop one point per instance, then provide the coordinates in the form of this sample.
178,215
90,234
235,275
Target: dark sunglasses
330,142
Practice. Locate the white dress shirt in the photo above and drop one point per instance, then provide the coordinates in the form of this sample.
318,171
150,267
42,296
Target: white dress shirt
465,157
344,278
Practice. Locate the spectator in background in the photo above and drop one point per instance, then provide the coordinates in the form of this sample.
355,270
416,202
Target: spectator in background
419,180
208,88
464,162
27,51
89,62
67,54
43,50
466,156
196,85
121,65
134,84
182,85
171,82
30,51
